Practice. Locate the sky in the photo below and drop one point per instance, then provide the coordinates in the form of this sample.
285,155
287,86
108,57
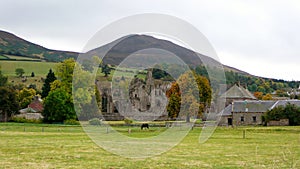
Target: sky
257,36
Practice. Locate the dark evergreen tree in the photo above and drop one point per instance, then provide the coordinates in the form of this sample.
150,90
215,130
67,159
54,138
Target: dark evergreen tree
3,79
106,70
47,85
8,103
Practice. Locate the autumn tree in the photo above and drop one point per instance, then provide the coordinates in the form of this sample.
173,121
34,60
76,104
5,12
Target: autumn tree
194,97
174,95
258,95
267,97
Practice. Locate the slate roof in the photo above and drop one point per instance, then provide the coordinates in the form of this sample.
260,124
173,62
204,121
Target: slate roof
238,92
226,111
252,106
285,102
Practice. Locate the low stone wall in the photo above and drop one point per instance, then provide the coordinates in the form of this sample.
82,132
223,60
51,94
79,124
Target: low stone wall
281,122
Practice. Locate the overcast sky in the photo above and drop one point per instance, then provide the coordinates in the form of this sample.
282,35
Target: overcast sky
259,37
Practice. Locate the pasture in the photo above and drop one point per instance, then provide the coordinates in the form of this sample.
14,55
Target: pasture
61,146
39,68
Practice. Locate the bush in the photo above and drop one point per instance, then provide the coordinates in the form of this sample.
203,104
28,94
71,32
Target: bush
95,122
128,121
71,122
24,120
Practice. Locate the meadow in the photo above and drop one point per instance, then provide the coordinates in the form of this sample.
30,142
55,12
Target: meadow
39,68
62,146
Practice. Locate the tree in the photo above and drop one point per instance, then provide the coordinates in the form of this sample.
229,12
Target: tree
32,74
8,103
106,70
267,97
174,95
205,93
196,98
290,111
258,95
3,79
58,106
19,72
46,87
64,72
25,96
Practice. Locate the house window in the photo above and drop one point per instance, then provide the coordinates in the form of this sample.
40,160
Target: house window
242,119
254,118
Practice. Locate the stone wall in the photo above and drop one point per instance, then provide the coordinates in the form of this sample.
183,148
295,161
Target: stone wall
281,122
247,118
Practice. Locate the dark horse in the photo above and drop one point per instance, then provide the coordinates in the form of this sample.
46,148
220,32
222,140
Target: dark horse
145,125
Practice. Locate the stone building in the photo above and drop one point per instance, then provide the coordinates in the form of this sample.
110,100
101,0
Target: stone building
235,93
249,112
33,110
140,100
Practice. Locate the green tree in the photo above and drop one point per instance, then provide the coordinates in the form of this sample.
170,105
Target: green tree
106,70
25,96
3,79
8,103
19,72
47,84
64,72
58,106
290,111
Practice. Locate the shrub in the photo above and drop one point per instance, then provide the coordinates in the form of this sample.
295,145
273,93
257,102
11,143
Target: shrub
95,122
128,121
71,122
24,120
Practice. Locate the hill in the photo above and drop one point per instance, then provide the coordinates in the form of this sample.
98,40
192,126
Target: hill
12,45
119,49
14,48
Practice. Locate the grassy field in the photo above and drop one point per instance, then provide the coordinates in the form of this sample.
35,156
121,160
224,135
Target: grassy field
56,146
39,68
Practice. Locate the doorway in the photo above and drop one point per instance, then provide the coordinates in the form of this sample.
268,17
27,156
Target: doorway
229,121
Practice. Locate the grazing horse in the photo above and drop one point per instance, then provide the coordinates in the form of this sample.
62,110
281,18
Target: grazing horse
145,125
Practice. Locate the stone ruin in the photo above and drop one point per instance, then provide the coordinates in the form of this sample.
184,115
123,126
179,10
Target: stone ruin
142,100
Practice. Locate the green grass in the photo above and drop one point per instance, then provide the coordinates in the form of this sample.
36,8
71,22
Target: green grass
3,57
57,146
39,68
21,57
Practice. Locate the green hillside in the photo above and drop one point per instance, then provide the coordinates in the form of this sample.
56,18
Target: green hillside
13,45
